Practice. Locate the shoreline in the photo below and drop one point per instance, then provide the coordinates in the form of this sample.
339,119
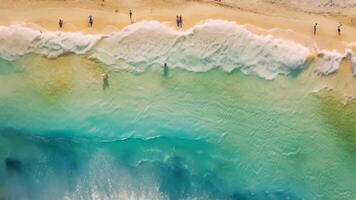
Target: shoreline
285,24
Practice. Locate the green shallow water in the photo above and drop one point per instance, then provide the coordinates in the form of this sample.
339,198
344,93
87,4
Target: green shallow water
182,135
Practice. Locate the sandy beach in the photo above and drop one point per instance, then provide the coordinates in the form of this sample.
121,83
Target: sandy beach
280,19
242,102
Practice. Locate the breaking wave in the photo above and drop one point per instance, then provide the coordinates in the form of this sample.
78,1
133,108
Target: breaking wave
213,44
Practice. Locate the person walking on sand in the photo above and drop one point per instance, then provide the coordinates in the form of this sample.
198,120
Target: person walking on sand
177,20
60,23
181,21
130,13
90,20
339,29
315,25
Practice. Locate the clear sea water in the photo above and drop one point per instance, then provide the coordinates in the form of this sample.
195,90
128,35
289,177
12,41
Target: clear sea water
65,134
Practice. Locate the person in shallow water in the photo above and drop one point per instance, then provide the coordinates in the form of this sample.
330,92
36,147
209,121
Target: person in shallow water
90,20
177,20
60,23
165,69
105,77
315,25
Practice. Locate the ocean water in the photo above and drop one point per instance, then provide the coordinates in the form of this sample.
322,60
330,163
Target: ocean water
234,117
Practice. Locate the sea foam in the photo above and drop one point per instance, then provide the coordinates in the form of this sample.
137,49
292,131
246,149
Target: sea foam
213,44
353,65
17,41
328,62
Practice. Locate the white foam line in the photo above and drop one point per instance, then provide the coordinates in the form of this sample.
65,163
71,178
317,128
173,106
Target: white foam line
212,44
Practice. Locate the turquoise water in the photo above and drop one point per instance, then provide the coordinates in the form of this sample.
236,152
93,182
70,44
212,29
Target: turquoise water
180,135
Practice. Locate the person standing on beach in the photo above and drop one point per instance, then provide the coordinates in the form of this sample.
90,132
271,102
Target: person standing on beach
130,13
315,25
339,29
60,23
177,21
181,21
90,20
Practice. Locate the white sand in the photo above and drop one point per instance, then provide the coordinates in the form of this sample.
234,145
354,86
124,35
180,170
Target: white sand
279,18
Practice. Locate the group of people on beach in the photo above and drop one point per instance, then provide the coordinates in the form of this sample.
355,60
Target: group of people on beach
91,20
179,21
338,28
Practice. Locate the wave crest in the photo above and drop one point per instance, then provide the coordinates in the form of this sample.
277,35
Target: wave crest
17,41
213,44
